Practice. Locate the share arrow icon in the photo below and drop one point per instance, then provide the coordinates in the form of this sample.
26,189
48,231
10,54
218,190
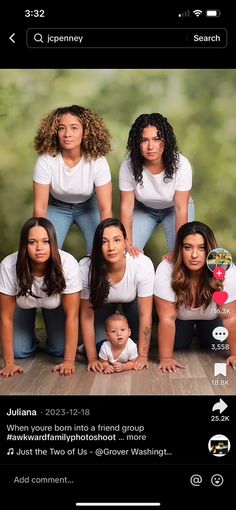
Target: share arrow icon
220,406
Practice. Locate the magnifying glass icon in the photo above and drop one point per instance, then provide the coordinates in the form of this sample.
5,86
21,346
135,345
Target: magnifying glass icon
38,38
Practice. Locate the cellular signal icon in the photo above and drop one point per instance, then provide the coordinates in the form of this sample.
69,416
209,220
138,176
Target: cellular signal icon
184,14
197,12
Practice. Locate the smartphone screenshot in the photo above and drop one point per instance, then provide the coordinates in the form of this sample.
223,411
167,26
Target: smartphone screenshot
117,256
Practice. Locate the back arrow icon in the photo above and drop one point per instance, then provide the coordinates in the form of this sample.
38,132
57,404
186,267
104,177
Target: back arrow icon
12,38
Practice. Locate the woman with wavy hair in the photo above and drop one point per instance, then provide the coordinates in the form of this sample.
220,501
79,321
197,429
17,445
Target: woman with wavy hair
39,276
112,277
183,297
72,179
155,183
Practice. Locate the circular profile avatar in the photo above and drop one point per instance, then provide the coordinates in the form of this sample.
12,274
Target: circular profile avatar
219,445
219,258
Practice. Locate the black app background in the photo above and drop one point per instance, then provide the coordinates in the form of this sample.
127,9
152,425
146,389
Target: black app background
177,429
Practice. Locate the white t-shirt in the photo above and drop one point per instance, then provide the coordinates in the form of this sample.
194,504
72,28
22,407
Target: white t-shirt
136,282
130,352
154,191
9,284
163,289
71,185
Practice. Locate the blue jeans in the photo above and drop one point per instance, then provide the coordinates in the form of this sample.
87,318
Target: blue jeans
24,331
85,215
130,310
146,219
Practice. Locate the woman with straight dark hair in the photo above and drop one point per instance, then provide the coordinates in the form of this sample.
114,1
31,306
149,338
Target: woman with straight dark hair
72,179
112,277
183,296
39,276
155,183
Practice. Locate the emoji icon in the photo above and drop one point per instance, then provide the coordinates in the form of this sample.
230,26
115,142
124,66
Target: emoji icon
217,480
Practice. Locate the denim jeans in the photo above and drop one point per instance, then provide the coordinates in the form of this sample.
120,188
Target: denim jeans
24,331
146,219
185,330
130,310
85,215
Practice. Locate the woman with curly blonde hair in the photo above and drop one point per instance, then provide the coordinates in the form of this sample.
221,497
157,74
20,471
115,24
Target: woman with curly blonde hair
183,293
72,179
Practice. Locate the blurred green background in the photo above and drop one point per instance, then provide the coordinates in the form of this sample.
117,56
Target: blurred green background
200,105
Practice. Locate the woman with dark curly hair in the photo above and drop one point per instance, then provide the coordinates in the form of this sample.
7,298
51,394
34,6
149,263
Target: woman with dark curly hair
39,276
155,183
72,179
183,297
111,277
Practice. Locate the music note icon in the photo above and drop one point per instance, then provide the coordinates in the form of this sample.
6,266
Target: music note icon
10,451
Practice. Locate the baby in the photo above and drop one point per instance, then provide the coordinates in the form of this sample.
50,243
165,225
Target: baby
118,353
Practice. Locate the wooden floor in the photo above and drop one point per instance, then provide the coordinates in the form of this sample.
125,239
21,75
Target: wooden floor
195,379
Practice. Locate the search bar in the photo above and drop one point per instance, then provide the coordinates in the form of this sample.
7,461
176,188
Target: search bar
123,38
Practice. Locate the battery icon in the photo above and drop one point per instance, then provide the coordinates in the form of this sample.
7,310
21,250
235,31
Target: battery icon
213,13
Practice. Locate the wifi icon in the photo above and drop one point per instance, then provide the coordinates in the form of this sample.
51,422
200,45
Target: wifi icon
197,12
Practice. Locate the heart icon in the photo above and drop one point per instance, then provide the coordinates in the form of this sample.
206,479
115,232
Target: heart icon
220,297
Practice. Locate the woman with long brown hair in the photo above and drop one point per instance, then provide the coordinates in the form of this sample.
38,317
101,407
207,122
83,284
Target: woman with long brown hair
39,276
112,277
183,297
